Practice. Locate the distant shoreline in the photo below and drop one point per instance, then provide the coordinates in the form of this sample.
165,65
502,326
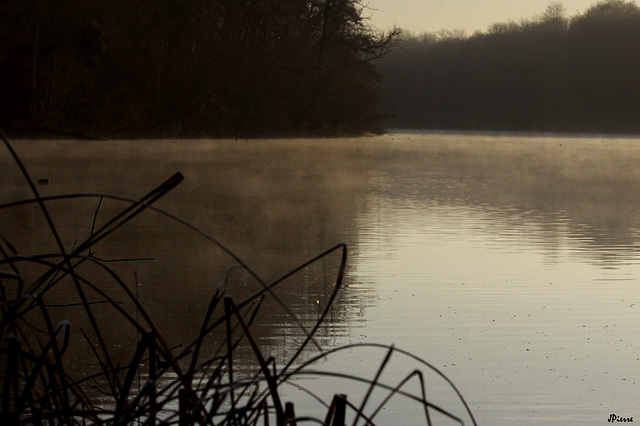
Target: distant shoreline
46,133
51,134
525,133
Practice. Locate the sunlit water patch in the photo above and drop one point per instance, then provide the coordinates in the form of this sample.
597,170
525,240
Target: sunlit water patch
524,315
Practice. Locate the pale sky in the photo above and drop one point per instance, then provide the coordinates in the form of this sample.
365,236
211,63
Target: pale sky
470,15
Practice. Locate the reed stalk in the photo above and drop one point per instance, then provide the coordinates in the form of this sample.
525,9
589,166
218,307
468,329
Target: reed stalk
181,385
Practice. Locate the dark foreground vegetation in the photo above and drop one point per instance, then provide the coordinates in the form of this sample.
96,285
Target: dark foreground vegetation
549,73
205,381
189,68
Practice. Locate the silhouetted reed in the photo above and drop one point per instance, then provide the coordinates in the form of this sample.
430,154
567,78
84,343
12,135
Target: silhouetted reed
161,384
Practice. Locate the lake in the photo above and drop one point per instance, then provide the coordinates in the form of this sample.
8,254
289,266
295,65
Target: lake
509,262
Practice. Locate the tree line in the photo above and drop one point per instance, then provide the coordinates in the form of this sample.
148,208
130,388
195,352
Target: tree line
549,73
235,68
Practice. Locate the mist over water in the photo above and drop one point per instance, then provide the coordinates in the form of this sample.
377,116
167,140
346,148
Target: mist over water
510,262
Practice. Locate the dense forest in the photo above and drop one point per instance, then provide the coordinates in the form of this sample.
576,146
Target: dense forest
549,73
243,68
235,68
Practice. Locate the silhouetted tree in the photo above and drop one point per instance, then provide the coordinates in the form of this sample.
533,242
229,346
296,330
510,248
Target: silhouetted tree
208,67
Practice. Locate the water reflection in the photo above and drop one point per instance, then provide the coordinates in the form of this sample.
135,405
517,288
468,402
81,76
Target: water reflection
511,272
509,260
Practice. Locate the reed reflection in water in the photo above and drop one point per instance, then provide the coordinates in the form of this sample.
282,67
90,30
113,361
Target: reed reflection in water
510,261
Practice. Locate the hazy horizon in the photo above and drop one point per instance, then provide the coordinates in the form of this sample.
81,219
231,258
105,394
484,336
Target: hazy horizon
434,15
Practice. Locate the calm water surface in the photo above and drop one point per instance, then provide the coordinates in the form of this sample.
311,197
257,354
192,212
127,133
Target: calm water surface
509,262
